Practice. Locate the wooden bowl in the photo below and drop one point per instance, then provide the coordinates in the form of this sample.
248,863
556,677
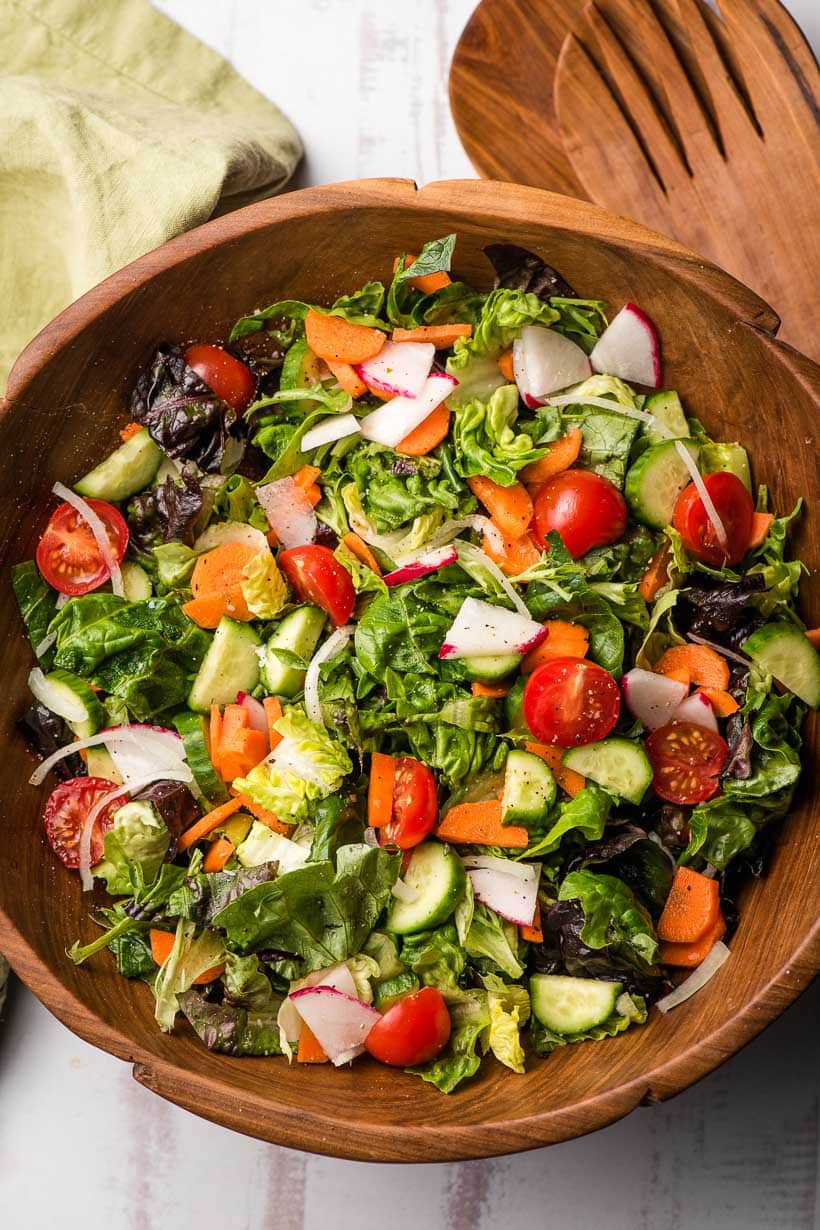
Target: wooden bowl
66,400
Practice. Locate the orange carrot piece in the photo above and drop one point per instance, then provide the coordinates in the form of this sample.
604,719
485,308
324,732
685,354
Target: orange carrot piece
563,640
533,933
505,365
358,547
262,814
518,554
221,570
480,824
218,854
273,711
234,719
337,340
562,454
215,736
510,508
495,690
814,636
428,283
161,944
207,611
380,790
707,669
243,752
428,435
723,703
688,955
761,524
306,477
442,336
310,1049
207,824
129,430
691,908
656,574
348,378
569,781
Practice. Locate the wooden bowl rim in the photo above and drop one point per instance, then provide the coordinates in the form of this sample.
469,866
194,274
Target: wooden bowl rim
295,1127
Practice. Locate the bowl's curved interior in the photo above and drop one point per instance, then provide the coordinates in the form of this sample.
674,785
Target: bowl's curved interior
66,403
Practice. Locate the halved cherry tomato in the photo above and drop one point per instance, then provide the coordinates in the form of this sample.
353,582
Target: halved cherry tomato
571,701
318,577
686,760
414,1030
66,810
586,509
415,805
733,505
67,554
229,378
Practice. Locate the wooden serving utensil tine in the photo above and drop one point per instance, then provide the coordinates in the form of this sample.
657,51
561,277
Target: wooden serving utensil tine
729,111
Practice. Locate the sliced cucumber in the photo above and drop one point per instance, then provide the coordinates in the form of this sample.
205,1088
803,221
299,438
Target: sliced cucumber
193,729
572,1005
436,875
298,634
99,764
236,828
136,583
731,457
231,665
529,788
514,710
619,765
655,480
668,410
491,668
129,468
787,653
389,991
72,699
301,369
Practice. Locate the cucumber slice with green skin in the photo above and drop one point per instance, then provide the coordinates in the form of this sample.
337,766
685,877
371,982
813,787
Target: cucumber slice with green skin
436,875
231,665
491,668
529,788
390,990
298,634
136,583
300,370
619,765
785,652
64,693
99,764
572,1005
236,828
193,730
129,468
667,408
514,710
731,457
655,480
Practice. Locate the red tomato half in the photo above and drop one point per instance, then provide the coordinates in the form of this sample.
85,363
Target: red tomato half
570,701
686,760
587,511
733,505
229,378
68,555
66,810
318,577
414,1030
415,804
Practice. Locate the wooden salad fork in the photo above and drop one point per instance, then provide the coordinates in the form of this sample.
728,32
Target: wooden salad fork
705,128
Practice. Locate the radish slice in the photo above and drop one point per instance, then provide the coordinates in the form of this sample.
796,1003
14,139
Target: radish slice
289,512
335,428
717,955
422,566
400,368
257,718
483,630
508,893
468,552
491,862
629,348
652,698
97,528
545,361
708,503
397,418
288,1019
696,708
339,1022
332,646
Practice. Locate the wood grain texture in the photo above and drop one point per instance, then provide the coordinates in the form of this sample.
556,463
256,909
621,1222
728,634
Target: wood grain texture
64,405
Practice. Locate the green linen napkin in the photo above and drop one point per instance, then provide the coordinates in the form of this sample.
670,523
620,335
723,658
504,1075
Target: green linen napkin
118,130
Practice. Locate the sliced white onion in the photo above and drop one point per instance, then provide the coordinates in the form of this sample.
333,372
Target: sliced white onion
475,521
332,646
45,644
137,750
116,735
403,892
603,403
708,504
289,512
71,710
97,528
477,556
727,653
337,427
709,966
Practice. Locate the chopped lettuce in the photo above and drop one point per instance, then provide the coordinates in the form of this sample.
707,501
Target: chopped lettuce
137,836
486,440
264,587
309,765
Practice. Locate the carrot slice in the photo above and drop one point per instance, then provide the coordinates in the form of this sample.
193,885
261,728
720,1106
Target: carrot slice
207,824
337,340
348,378
564,640
480,824
723,703
495,690
215,735
273,711
428,283
207,611
242,753
569,781
161,944
691,909
218,854
509,507
234,719
691,954
656,574
505,365
428,435
310,1049
262,814
358,547
533,933
380,790
562,454
707,669
129,430
306,477
518,554
761,524
221,570
814,636
442,336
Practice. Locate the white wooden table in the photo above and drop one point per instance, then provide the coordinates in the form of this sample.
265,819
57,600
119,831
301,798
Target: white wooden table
82,1146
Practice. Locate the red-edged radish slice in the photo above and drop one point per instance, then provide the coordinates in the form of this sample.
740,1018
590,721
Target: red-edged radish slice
482,630
696,708
397,418
329,430
652,698
545,361
422,566
257,718
511,889
337,976
629,348
400,368
289,512
339,1022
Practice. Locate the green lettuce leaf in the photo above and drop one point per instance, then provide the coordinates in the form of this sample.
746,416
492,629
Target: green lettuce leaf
509,1006
394,490
614,918
232,1030
503,315
437,958
245,982
470,1020
494,939
585,815
190,956
315,767
37,602
485,439
138,836
264,587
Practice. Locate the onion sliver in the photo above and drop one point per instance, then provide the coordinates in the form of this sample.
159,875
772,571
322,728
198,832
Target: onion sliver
477,556
123,735
709,966
332,646
603,403
708,503
97,528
